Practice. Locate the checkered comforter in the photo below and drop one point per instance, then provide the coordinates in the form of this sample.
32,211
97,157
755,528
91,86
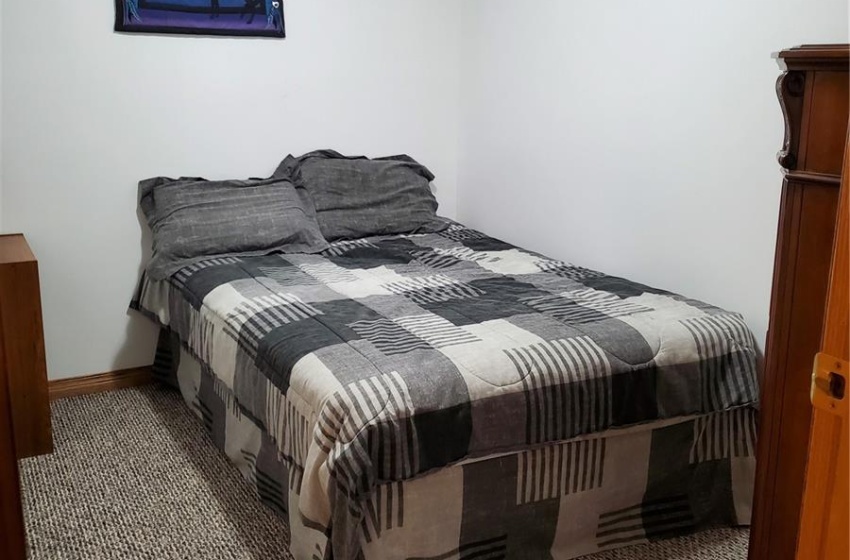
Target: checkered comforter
382,359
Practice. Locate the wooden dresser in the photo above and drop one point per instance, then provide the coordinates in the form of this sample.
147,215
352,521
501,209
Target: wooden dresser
23,342
813,91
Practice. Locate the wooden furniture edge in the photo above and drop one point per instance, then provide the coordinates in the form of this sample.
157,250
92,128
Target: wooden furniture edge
808,52
802,67
814,57
12,531
813,178
100,383
15,249
24,347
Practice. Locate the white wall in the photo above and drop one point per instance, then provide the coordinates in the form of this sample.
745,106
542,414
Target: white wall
637,138
87,113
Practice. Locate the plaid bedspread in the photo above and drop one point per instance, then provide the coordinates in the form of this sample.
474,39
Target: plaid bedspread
555,502
385,358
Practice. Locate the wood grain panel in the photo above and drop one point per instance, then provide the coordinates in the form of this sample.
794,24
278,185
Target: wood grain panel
798,301
830,100
808,302
14,249
12,536
823,527
24,345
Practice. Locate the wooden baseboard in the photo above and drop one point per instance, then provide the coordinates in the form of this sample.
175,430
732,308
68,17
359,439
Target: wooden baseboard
102,382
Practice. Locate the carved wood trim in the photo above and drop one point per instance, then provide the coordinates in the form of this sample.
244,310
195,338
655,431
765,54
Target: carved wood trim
789,89
808,177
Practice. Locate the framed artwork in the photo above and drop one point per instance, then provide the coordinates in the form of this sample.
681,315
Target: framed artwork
252,18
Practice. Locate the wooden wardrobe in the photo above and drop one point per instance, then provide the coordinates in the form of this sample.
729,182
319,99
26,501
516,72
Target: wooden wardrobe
813,91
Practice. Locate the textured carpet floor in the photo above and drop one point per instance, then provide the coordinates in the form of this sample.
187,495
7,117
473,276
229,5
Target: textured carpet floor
134,476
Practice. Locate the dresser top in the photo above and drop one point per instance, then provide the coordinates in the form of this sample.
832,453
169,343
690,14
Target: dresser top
15,249
836,50
835,56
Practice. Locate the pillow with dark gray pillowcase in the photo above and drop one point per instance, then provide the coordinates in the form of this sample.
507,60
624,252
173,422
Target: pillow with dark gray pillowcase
360,197
193,219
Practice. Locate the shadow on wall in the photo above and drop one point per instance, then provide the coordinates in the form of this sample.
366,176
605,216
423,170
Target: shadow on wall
140,332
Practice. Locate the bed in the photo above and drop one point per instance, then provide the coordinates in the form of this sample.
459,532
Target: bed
449,395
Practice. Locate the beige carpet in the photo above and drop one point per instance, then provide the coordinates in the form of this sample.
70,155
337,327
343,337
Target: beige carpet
134,476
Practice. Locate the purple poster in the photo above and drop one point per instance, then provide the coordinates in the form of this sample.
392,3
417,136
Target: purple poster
256,18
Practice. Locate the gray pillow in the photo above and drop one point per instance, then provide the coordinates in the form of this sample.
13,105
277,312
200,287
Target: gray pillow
193,219
358,197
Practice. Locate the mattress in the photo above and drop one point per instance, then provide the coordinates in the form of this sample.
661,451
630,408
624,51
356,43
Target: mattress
385,359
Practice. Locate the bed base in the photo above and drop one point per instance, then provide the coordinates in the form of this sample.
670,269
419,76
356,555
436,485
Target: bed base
599,492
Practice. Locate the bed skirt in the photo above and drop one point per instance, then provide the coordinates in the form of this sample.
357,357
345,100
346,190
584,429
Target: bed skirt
561,501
